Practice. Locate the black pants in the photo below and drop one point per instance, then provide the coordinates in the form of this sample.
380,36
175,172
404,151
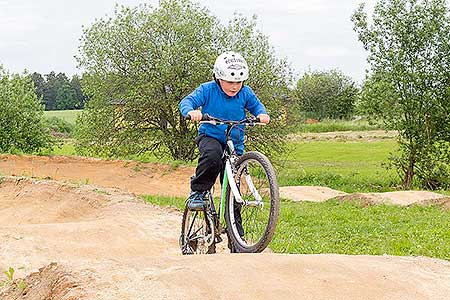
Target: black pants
210,163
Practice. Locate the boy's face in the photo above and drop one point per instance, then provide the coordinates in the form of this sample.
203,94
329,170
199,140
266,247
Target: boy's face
230,88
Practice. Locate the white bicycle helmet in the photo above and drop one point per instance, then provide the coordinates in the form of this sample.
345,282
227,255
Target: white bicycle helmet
231,66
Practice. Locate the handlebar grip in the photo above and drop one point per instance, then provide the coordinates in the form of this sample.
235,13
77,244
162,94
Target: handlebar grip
205,117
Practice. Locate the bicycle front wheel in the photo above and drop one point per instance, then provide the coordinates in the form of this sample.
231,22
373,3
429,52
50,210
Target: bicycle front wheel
197,233
251,225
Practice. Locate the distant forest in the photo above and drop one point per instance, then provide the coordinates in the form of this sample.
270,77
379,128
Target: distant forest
57,92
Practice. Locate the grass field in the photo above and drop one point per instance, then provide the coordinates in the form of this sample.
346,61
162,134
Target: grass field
350,228
66,148
67,115
336,125
348,166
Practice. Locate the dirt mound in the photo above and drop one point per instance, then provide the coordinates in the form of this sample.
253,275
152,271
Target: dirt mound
360,198
118,247
26,201
309,193
442,202
50,282
367,136
402,198
131,176
320,194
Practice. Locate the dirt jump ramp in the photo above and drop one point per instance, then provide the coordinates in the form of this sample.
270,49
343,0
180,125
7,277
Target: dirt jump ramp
70,241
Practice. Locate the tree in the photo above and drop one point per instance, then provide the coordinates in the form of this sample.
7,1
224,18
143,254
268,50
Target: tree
65,94
22,125
39,84
57,92
50,91
80,96
408,42
326,95
270,78
142,62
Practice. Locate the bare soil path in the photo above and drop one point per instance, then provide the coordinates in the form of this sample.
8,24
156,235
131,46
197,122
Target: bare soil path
165,180
131,176
77,241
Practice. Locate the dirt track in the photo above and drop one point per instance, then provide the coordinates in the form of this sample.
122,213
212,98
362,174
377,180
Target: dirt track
164,180
108,244
136,177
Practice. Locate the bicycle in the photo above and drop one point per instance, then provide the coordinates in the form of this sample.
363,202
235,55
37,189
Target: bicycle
249,190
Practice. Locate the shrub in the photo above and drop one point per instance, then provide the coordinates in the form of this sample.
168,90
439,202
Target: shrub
22,124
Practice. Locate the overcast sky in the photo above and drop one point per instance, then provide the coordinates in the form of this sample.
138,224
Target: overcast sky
43,36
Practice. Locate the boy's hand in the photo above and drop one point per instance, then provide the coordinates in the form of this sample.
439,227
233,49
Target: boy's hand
263,118
196,115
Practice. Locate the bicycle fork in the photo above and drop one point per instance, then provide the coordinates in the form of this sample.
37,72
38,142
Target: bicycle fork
228,178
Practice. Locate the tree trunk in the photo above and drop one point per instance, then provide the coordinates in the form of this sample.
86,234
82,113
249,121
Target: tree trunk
409,174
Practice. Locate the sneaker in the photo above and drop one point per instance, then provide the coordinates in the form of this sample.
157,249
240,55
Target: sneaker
196,200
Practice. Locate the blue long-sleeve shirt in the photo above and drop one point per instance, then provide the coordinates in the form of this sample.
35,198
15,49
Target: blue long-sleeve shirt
213,101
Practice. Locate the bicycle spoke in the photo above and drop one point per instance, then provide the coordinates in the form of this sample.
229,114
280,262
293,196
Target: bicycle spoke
197,236
255,190
193,221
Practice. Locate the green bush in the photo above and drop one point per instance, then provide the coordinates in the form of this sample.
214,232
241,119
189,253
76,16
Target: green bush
434,169
22,124
59,126
326,95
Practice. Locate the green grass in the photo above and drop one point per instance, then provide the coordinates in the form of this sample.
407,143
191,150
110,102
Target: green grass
348,166
335,125
64,149
176,202
350,228
67,115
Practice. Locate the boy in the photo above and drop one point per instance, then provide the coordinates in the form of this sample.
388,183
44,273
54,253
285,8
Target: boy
226,98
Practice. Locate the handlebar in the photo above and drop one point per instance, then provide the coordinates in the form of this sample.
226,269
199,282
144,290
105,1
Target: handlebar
206,118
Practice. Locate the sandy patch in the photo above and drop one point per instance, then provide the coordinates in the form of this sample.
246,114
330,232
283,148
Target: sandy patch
321,194
404,198
161,179
131,176
49,282
442,202
107,244
367,136
309,193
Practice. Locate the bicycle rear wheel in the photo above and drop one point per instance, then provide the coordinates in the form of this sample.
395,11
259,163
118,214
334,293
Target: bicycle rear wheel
251,225
197,233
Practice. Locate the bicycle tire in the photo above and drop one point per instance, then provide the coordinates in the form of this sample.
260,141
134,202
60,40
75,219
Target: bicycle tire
192,239
243,237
